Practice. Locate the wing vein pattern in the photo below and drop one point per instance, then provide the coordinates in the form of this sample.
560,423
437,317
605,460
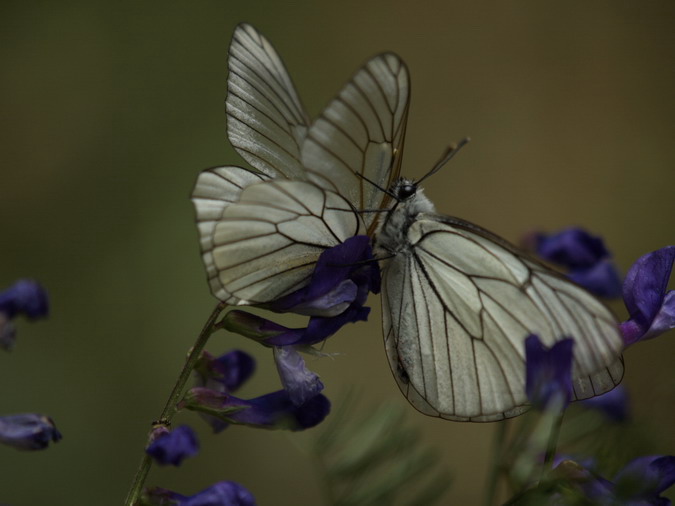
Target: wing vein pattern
458,353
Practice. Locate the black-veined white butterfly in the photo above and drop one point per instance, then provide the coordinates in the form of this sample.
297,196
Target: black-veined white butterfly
458,301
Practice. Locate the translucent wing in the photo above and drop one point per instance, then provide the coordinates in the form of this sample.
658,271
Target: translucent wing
362,132
215,190
457,307
266,122
266,244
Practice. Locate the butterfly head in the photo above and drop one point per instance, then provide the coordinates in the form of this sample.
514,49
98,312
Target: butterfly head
410,197
404,189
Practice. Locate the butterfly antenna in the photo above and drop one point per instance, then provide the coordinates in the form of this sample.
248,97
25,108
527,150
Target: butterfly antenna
392,195
447,156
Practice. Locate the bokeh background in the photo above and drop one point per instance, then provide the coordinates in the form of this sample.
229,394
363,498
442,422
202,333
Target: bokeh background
111,109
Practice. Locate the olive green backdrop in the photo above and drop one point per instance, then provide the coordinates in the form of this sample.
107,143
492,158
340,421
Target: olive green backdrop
111,109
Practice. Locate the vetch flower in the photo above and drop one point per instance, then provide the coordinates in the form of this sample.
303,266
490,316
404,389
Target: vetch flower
24,297
172,447
649,302
224,374
300,383
339,287
548,373
270,411
224,493
28,431
640,482
645,479
584,256
612,404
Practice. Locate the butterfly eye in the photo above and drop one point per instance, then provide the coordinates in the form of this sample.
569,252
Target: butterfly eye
406,191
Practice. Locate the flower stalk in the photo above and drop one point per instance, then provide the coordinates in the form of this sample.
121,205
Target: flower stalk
170,408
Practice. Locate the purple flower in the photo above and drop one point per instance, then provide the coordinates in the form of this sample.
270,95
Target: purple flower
548,373
334,297
224,493
340,279
644,479
226,372
223,374
172,447
28,431
270,411
613,404
25,297
584,256
649,302
573,248
300,383
640,483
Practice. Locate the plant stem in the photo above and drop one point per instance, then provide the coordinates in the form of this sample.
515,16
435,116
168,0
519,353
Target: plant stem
170,407
552,441
497,462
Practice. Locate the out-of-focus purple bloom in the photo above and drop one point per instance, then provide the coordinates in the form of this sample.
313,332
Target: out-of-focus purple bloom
172,447
649,302
334,297
224,493
300,383
224,374
270,411
640,483
548,372
588,484
24,297
645,479
613,404
573,248
28,431
584,256
602,279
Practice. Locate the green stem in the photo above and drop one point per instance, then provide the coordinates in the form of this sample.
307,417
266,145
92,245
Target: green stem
497,462
552,442
170,407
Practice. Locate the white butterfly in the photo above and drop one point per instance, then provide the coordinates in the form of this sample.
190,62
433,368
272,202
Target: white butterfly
458,301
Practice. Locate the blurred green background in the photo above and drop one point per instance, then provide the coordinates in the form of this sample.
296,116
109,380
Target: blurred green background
111,109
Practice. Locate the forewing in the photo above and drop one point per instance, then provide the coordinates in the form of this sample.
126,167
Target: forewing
361,133
266,122
266,244
457,309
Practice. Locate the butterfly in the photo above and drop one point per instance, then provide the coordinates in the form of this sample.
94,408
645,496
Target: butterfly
458,301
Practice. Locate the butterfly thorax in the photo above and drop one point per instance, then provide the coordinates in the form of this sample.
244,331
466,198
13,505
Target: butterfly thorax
392,235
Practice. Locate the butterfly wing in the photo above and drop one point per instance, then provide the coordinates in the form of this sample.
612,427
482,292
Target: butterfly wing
457,308
361,133
266,244
266,122
215,190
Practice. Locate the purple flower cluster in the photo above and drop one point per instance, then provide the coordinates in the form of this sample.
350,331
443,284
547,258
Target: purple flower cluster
339,287
650,304
26,431
292,409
